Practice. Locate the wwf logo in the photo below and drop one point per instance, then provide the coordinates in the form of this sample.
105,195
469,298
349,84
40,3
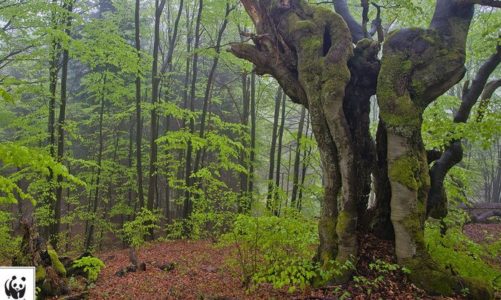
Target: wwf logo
15,287
17,283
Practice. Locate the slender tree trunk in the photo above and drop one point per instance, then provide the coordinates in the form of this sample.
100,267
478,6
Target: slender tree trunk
95,204
188,205
129,165
60,131
139,129
305,163
53,78
278,172
155,85
208,88
297,158
244,178
271,187
252,157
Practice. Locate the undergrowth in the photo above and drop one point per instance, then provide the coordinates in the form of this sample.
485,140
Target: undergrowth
276,250
456,252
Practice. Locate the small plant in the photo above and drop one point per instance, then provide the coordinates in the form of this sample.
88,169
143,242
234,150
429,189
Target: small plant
384,267
91,265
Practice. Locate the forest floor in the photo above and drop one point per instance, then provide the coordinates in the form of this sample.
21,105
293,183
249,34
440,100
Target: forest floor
200,271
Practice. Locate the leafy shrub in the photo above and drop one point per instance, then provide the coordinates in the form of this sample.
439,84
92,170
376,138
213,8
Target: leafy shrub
134,231
454,250
91,265
175,230
276,250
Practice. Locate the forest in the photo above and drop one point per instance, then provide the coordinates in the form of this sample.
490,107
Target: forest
251,149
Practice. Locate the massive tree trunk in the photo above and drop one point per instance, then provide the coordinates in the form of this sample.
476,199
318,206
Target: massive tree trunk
308,53
309,50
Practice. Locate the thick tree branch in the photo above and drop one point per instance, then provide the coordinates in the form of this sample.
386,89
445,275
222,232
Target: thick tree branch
357,32
266,64
451,19
437,200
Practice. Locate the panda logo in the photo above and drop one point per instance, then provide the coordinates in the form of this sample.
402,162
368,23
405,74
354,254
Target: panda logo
15,288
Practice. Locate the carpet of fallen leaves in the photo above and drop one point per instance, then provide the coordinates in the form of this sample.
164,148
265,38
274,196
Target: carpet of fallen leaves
483,233
201,272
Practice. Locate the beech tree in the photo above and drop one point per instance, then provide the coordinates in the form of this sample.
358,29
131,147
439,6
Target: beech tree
329,63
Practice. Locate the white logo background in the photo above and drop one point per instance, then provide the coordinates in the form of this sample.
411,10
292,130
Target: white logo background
6,274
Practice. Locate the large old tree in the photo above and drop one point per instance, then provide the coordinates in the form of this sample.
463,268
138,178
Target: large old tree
327,62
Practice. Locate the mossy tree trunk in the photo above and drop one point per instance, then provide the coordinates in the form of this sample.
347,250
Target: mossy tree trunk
310,51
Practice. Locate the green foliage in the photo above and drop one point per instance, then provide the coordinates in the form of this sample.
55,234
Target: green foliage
8,244
211,224
91,265
456,251
26,163
175,230
134,232
439,129
276,250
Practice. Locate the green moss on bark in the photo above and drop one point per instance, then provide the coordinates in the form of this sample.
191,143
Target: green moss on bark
404,170
56,263
40,274
426,274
